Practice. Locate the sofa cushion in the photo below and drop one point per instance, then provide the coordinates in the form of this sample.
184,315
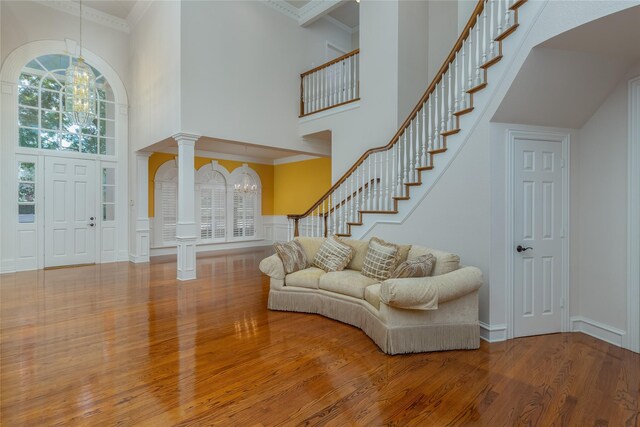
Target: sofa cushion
310,245
346,282
446,262
381,259
372,295
333,255
307,278
292,255
415,267
359,252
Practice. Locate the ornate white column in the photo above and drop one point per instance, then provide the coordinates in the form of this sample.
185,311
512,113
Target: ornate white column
186,227
141,248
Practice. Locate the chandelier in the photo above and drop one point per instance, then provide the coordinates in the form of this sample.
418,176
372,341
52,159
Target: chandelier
247,186
80,89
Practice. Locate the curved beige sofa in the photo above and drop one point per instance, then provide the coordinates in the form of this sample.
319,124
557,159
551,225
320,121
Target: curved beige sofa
439,312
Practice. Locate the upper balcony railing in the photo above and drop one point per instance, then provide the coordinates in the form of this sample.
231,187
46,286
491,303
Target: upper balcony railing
331,84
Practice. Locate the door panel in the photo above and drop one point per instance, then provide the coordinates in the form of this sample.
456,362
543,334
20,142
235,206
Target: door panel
537,224
69,205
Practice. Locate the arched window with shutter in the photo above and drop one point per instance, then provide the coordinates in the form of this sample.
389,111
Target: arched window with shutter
166,204
211,200
247,197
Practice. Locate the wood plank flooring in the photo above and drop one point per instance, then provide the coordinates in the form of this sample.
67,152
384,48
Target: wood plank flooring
124,344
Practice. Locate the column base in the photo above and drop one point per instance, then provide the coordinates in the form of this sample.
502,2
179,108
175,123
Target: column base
186,250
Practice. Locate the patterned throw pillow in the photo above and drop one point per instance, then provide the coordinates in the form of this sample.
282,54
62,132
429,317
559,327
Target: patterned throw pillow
292,255
415,267
333,255
381,259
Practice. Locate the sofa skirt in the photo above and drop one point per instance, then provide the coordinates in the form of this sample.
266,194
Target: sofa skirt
391,340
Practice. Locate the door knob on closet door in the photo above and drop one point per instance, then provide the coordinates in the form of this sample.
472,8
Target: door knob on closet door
520,248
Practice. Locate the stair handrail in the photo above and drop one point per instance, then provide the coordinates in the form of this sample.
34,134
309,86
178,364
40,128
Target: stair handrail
330,63
477,11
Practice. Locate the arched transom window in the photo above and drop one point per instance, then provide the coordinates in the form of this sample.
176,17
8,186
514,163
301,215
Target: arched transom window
41,118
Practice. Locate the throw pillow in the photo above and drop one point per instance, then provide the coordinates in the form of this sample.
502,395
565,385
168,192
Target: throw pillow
333,255
381,259
415,267
292,255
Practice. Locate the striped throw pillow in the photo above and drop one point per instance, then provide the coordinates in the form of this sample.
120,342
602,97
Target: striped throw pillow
381,259
416,267
333,255
292,255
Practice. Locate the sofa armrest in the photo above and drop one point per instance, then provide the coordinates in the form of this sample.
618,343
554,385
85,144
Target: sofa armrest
425,293
272,266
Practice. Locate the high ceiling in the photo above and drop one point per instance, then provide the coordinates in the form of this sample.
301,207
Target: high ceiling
348,14
117,8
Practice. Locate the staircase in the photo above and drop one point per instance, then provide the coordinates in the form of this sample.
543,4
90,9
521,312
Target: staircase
382,177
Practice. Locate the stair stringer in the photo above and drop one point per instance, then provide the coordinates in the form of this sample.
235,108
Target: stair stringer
482,100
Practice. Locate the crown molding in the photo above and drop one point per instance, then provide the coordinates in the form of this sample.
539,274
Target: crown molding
294,159
312,11
284,8
88,13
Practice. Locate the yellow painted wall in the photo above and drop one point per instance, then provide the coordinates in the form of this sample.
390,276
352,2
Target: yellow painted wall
265,172
300,184
286,189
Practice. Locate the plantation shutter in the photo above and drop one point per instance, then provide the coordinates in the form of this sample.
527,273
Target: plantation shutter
250,215
238,214
169,211
206,213
219,211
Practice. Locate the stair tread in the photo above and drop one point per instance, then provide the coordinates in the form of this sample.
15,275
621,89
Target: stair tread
439,150
412,184
424,168
463,111
477,88
503,35
450,132
379,212
492,61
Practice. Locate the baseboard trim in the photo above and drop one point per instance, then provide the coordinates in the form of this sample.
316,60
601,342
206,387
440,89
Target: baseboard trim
213,247
138,259
598,330
493,333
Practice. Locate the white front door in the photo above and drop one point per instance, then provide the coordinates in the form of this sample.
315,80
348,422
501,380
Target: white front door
537,233
70,212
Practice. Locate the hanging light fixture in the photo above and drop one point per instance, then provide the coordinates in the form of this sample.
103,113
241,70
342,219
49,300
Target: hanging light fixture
246,187
80,89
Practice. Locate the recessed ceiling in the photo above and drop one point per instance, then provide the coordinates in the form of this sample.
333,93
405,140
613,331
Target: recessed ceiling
297,3
117,8
348,14
257,153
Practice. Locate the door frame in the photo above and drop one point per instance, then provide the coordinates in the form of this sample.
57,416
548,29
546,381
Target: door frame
513,135
631,340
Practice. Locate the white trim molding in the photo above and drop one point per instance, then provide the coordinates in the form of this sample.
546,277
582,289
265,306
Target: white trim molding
88,13
493,333
598,330
632,341
539,135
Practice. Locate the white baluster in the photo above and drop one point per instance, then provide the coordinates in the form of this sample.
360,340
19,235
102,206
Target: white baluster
436,118
405,169
387,195
450,96
370,195
484,35
429,131
478,78
400,187
456,106
425,131
462,105
443,106
499,17
357,195
492,35
411,154
507,15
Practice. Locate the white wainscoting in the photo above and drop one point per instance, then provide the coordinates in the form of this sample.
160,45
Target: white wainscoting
276,228
598,330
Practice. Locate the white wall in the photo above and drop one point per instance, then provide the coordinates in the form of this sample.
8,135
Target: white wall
442,33
26,21
155,60
241,71
599,212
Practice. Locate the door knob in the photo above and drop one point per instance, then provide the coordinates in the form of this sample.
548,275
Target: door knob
91,219
91,224
520,248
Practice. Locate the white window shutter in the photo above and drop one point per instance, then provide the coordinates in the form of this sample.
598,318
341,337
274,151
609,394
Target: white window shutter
169,211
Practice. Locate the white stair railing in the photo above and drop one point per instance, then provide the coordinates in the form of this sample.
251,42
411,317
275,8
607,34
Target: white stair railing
331,84
383,175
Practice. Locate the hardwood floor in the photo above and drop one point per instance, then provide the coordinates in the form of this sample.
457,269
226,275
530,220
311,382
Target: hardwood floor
125,344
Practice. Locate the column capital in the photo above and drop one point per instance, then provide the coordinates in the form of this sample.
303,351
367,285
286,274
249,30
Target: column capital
183,138
144,153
